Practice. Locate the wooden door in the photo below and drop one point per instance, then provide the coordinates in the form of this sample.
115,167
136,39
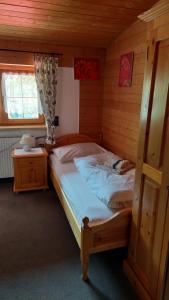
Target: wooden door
152,179
166,290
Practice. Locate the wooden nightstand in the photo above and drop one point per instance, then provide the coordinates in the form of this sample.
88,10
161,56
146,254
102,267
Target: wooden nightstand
30,169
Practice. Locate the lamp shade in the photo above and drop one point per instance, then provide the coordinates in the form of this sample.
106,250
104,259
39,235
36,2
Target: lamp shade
26,141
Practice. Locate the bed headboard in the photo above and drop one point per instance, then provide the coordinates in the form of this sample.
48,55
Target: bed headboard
73,138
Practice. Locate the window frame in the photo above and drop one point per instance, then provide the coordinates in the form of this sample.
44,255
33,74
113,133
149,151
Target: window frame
4,120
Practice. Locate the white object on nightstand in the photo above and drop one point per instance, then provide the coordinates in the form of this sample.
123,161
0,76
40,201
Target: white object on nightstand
32,151
27,142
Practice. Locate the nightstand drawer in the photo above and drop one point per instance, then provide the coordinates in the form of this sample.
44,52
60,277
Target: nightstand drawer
30,162
30,177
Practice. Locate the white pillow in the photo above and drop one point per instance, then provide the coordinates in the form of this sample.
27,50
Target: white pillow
69,152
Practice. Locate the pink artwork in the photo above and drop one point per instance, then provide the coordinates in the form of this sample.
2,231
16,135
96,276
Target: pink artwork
126,69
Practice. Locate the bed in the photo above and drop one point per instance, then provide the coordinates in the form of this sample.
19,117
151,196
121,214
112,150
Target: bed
111,227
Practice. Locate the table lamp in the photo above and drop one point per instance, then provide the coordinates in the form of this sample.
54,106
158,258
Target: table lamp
26,142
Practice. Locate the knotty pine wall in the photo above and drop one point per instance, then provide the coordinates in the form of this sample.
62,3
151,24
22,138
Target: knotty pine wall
91,92
121,106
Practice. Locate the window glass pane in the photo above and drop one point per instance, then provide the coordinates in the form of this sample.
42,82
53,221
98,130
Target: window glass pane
21,96
15,108
29,88
30,108
13,85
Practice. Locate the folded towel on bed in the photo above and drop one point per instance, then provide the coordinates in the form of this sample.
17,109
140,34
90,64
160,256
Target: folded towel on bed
115,190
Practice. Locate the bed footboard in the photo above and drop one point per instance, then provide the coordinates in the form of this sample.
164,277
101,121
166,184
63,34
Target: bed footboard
85,247
104,235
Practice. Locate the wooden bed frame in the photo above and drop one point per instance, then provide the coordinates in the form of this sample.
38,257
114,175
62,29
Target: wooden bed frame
95,236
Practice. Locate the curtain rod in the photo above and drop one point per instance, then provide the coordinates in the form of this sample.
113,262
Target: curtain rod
26,51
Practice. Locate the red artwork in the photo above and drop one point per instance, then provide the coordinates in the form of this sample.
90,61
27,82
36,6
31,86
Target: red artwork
86,68
126,69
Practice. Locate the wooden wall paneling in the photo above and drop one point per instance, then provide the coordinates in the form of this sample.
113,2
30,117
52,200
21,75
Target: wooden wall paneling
90,91
69,52
121,106
18,58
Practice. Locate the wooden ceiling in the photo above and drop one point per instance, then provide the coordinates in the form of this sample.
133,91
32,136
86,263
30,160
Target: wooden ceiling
69,22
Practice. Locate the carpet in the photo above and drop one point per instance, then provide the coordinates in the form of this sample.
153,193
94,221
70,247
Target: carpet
40,259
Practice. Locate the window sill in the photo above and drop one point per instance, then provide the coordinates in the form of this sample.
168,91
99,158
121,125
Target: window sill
22,127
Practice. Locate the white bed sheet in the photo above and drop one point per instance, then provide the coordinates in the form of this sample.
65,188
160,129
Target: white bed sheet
113,189
82,201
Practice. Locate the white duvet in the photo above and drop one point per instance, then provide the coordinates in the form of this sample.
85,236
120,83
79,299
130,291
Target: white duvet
115,191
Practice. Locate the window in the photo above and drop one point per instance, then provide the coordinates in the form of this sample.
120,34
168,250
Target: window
20,96
20,102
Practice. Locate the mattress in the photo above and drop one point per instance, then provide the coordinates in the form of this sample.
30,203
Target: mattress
81,199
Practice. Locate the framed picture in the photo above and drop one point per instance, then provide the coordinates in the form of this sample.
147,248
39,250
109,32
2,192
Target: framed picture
126,69
86,68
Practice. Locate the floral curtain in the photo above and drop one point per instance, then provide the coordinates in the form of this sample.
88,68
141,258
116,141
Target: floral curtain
46,70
